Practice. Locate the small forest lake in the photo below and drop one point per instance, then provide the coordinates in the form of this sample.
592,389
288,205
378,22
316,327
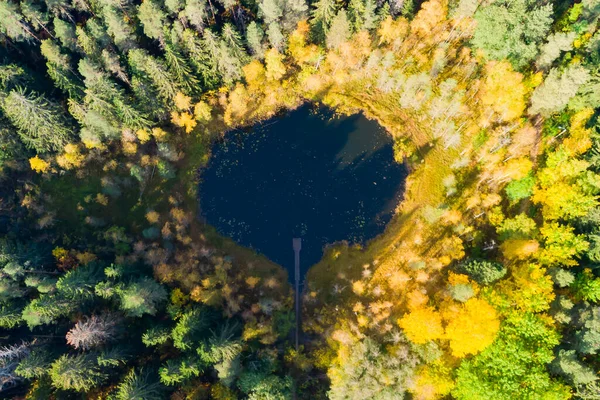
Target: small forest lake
307,173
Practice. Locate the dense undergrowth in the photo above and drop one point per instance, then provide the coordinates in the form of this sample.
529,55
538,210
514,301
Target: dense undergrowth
484,286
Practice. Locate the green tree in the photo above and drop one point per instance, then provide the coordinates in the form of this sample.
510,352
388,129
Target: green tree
78,372
339,31
139,385
35,365
141,297
65,32
12,24
482,271
322,16
254,38
372,372
41,124
514,366
153,19
512,29
558,88
154,71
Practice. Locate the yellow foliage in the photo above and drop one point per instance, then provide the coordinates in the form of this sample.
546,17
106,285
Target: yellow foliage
143,135
275,67
416,299
38,165
503,90
60,253
254,73
430,16
432,381
297,47
472,328
392,31
457,279
71,158
398,280
184,120
202,111
182,102
579,140
129,147
101,199
85,257
252,281
159,134
519,249
358,287
422,325
152,217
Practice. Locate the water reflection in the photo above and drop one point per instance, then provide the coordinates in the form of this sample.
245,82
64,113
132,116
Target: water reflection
303,174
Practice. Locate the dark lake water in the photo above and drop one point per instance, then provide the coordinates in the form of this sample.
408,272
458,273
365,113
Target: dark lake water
305,174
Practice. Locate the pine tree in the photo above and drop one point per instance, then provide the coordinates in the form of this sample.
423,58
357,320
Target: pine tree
92,332
117,27
275,36
59,69
155,71
339,31
65,32
141,297
179,68
558,88
12,24
35,365
153,19
76,372
254,38
139,385
196,13
40,123
322,17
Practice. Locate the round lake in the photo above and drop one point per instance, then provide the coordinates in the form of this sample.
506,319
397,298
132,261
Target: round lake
305,174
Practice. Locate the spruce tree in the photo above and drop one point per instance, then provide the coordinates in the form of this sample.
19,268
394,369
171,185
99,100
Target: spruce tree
41,124
254,38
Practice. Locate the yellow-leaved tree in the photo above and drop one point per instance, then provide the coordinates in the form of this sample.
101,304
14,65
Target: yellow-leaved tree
422,325
472,327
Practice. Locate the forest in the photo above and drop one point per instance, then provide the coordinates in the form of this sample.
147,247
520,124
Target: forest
485,284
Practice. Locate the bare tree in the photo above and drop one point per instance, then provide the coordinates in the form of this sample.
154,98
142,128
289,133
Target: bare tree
92,332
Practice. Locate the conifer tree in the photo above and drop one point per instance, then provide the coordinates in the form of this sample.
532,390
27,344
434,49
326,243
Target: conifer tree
153,19
254,38
339,31
40,123
76,372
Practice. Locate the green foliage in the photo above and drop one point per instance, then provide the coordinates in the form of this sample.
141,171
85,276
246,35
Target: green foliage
372,372
35,365
176,371
587,286
558,89
512,30
587,338
41,124
139,385
339,31
190,328
461,292
520,188
574,371
76,372
156,336
141,297
514,366
482,271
